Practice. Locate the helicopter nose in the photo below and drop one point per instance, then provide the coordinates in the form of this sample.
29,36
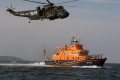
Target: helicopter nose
63,14
67,14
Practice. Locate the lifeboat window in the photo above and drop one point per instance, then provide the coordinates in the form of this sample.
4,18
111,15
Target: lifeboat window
65,53
77,52
74,52
56,53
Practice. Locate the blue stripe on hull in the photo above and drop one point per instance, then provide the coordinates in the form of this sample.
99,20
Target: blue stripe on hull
84,63
91,63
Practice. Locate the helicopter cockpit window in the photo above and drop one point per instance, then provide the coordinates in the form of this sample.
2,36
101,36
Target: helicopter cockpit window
61,7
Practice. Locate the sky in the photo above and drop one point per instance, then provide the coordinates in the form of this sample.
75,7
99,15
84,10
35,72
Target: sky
95,22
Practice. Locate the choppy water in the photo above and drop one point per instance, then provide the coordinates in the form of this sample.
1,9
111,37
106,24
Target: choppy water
38,71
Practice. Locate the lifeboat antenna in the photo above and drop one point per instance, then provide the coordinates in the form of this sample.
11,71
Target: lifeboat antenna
79,41
78,37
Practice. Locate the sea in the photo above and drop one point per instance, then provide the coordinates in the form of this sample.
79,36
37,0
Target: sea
40,71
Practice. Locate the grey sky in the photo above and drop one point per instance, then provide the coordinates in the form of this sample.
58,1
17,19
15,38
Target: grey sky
96,22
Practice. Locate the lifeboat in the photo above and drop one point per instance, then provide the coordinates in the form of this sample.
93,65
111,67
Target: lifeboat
74,55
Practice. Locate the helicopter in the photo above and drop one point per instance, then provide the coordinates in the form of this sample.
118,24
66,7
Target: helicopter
48,11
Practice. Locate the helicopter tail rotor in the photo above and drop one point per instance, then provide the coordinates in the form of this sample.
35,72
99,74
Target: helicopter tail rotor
10,9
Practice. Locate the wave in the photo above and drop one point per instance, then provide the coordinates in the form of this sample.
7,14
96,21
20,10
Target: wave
107,67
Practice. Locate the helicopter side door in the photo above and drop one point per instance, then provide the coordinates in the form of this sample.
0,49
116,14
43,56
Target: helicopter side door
41,13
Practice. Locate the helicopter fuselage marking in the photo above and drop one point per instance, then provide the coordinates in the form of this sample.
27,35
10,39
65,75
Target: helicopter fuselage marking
33,12
22,14
26,13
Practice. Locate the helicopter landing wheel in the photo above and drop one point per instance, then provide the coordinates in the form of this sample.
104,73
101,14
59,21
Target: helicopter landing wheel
29,22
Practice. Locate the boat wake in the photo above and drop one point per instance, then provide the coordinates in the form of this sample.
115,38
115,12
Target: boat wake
94,66
41,64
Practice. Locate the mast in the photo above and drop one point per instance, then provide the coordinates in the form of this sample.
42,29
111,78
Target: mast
74,41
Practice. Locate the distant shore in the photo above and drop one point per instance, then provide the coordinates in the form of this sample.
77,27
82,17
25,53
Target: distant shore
10,58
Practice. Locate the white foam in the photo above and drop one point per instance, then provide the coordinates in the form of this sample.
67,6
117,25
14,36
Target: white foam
23,64
42,64
94,66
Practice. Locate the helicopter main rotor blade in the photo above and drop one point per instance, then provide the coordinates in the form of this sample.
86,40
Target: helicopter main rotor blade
68,6
48,1
67,1
34,1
